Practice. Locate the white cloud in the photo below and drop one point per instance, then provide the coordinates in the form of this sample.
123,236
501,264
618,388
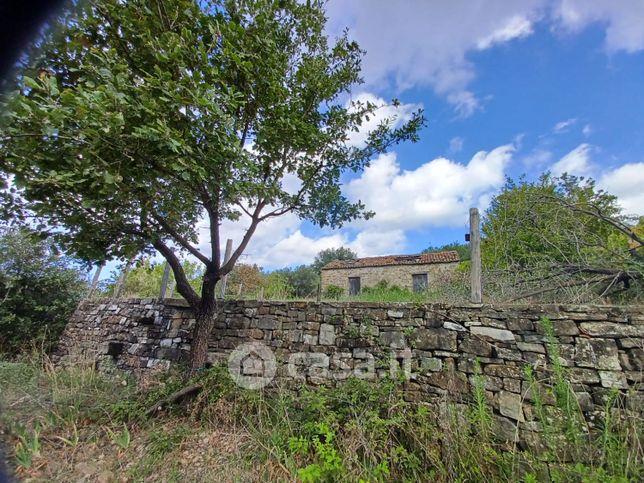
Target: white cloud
577,162
537,158
437,193
587,130
416,43
279,242
563,126
516,28
626,183
623,20
398,115
419,43
456,144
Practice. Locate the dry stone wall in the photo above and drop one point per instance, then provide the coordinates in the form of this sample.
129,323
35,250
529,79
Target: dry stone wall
437,348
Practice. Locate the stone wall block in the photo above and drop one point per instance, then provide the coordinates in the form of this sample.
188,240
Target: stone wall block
611,329
428,339
502,335
475,345
597,353
327,334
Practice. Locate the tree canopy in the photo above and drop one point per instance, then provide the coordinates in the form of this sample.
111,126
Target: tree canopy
561,232
39,290
463,249
329,254
136,120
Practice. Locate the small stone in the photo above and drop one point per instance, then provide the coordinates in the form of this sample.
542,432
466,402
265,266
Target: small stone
395,314
393,339
613,379
475,345
454,326
510,405
512,385
531,347
429,339
311,339
431,364
560,327
597,353
267,323
327,334
492,333
610,329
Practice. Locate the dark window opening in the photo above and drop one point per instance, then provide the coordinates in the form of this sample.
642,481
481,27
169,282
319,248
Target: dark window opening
115,349
354,285
419,282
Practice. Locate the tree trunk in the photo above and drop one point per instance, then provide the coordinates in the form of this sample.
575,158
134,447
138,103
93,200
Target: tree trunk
205,317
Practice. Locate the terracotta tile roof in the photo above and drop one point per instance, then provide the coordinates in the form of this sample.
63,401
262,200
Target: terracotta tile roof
421,259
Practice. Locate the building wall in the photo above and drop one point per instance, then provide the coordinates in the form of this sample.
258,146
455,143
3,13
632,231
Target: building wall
400,275
602,347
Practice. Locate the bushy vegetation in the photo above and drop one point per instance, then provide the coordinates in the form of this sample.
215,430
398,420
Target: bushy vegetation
359,431
39,290
562,239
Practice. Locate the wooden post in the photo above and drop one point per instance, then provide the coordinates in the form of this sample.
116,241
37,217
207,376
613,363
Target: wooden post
95,278
173,286
164,280
121,281
475,246
222,283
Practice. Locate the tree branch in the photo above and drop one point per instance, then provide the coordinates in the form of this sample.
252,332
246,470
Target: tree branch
180,239
183,286
255,219
596,212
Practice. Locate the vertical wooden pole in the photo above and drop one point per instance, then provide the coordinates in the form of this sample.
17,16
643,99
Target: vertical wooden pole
475,246
121,281
173,286
95,278
222,283
164,280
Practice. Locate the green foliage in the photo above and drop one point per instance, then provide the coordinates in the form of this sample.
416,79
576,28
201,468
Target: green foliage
329,254
144,279
159,444
329,464
131,123
383,292
463,249
39,289
481,413
276,286
303,280
121,438
566,232
333,292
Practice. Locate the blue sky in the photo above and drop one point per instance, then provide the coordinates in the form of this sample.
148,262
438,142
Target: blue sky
508,87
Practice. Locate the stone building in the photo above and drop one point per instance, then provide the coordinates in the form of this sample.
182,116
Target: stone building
415,272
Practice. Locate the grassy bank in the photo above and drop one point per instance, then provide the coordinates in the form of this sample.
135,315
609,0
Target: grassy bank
75,424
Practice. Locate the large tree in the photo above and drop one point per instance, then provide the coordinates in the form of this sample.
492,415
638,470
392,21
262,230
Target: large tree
136,120
561,234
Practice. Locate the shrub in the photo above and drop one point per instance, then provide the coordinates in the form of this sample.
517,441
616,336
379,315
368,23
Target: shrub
39,290
333,292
